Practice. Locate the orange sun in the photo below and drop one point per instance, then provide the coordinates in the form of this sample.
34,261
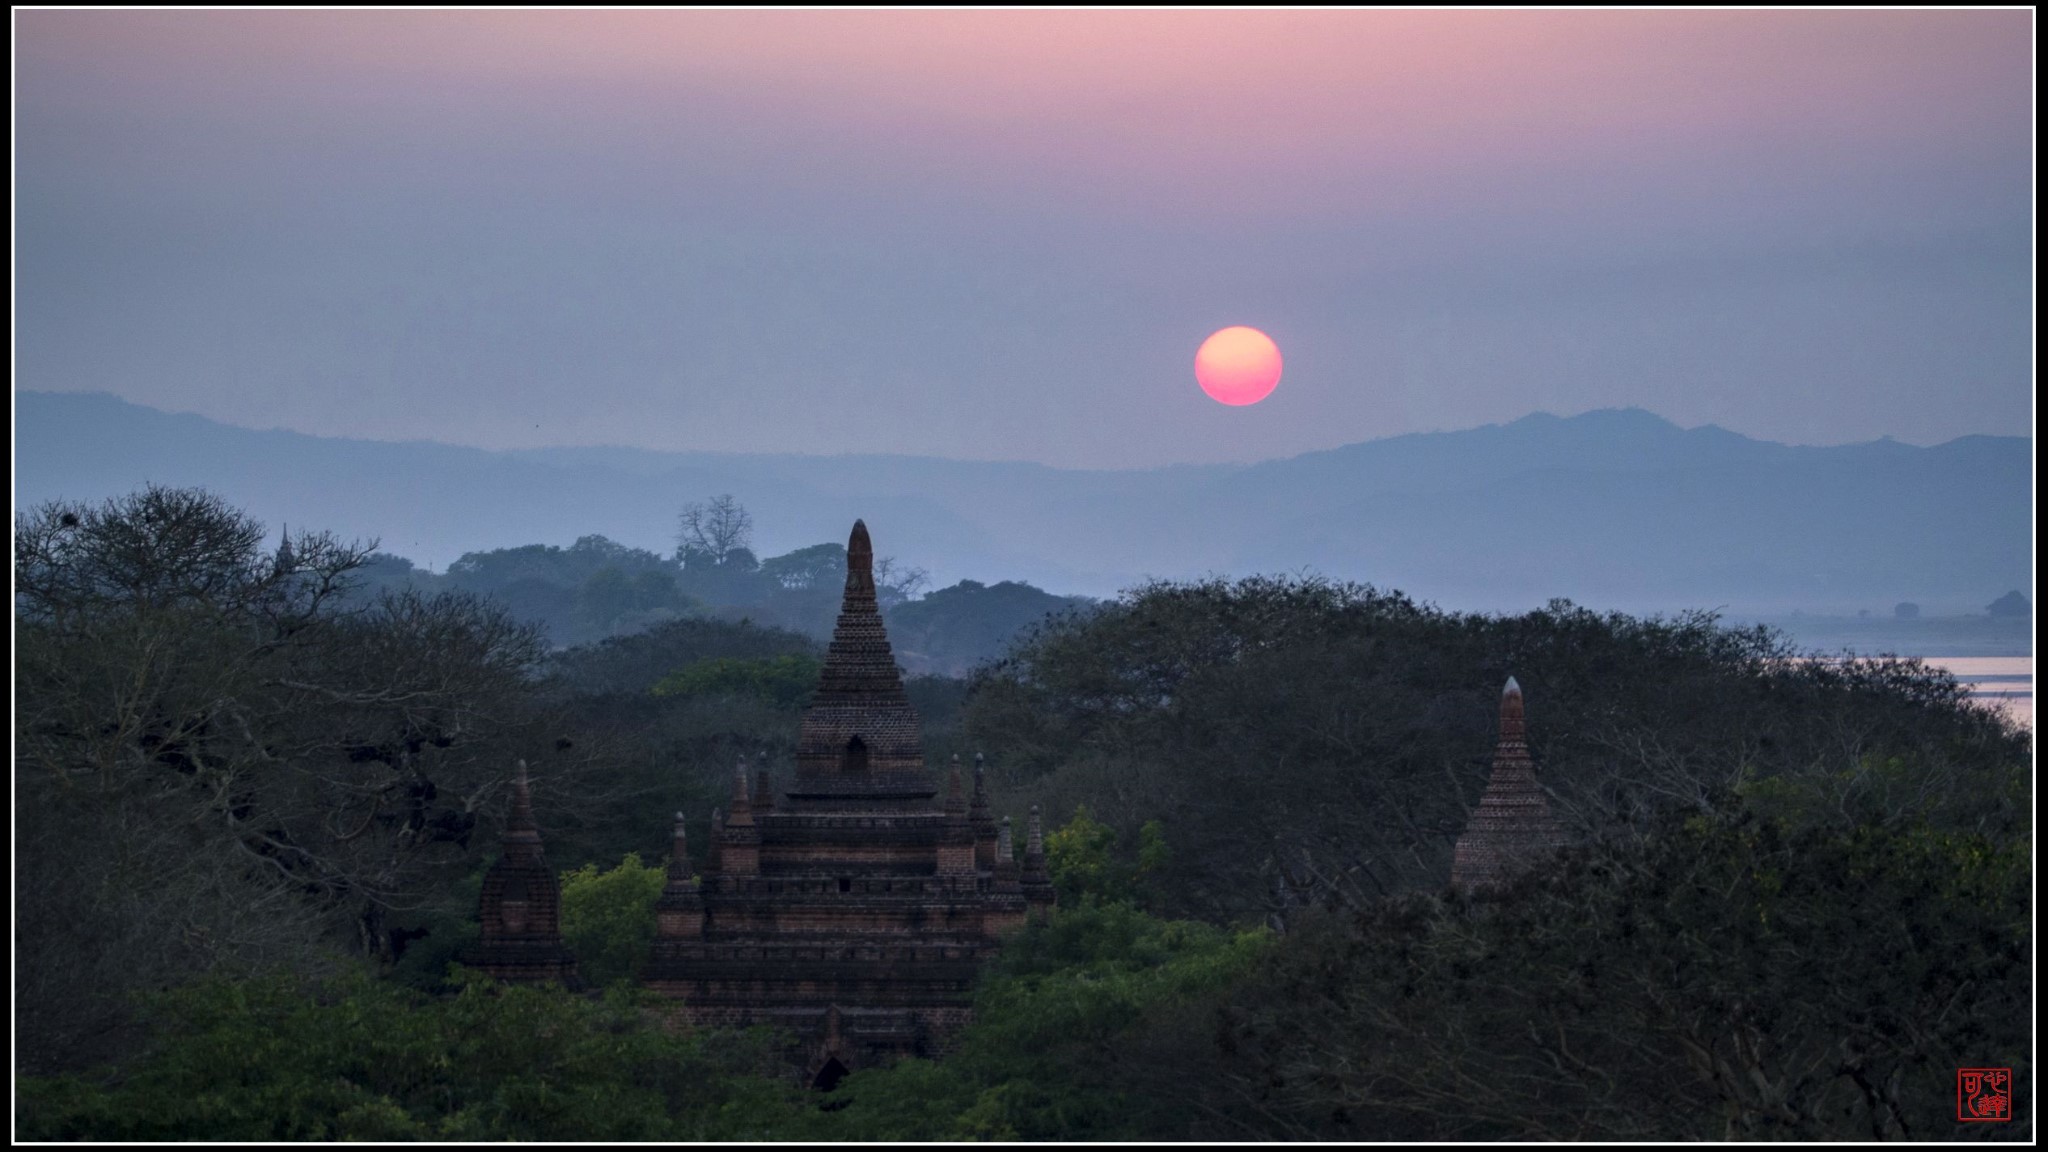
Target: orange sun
1238,366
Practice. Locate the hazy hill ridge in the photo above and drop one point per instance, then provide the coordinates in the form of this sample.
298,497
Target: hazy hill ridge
1613,508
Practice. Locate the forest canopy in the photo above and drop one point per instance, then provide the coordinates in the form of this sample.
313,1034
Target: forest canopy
256,791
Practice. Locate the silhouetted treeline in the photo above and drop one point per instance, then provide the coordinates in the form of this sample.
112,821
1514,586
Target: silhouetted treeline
254,806
596,590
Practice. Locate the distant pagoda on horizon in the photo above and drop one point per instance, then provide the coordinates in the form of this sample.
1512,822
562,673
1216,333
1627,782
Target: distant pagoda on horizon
1512,829
848,907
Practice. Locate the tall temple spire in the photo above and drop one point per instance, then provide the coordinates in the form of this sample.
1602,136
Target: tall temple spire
1513,828
286,560
679,855
860,739
679,913
956,841
1035,880
983,821
859,662
742,804
739,841
522,835
764,787
956,799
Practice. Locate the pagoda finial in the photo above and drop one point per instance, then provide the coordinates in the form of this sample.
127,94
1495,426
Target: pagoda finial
679,860
1514,727
522,835
860,551
956,799
1005,849
1037,882
742,814
522,800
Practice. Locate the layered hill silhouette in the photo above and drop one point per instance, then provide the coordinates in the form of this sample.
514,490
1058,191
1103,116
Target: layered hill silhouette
1613,508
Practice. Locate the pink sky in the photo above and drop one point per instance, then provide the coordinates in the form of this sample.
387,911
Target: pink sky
1005,232
1248,110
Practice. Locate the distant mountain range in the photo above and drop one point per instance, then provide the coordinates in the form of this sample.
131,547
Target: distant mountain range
1614,508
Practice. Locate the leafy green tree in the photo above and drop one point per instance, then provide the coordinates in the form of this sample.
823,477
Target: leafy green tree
951,630
1300,727
276,1060
1731,977
222,764
631,665
818,566
608,917
785,681
1075,1036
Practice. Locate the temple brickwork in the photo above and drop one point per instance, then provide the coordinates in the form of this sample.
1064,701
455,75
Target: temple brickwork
854,903
1513,828
521,907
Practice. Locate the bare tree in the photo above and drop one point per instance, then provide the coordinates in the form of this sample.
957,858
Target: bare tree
221,765
896,583
711,531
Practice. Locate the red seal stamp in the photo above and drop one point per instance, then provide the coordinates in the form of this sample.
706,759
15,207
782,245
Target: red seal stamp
1983,1094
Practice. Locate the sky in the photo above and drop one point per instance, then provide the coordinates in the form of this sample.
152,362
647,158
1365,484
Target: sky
1003,234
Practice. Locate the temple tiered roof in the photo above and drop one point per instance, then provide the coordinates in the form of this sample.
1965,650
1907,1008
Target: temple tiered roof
848,907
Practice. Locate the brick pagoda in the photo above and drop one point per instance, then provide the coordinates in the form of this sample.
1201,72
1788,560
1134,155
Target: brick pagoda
1513,828
854,906
521,909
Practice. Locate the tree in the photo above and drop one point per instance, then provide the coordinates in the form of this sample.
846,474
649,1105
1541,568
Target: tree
818,566
1906,610
223,763
1729,977
895,584
1335,738
608,917
713,532
353,1058
2012,604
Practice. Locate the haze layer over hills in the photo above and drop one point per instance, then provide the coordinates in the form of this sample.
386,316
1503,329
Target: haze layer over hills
1614,508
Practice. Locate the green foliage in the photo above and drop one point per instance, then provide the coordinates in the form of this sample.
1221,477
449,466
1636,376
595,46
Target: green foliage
224,766
612,602
818,566
631,665
590,590
952,630
1081,857
608,917
272,1060
1343,732
1071,1040
1733,977
785,681
1087,868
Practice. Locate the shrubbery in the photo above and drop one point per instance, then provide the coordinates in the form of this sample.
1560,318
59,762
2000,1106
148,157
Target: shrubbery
362,1059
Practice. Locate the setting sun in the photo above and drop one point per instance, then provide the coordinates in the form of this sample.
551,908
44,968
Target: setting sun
1238,366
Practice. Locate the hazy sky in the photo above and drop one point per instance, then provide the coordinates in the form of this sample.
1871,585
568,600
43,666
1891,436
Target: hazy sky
1004,234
